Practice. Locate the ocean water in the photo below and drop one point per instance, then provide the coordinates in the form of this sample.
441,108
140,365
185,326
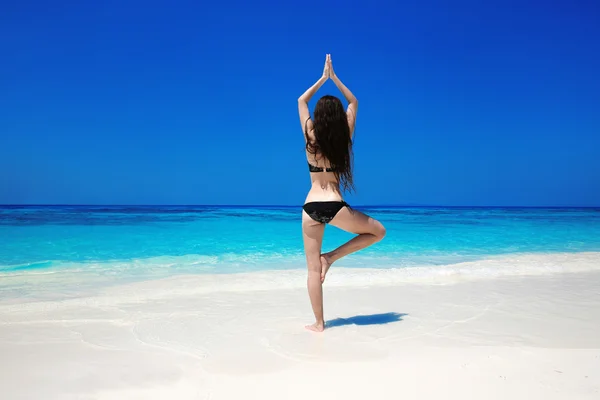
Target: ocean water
138,243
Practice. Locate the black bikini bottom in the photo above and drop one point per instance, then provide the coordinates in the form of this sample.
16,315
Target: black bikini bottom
323,211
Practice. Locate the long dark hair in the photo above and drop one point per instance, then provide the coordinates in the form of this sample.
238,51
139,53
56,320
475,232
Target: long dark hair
332,139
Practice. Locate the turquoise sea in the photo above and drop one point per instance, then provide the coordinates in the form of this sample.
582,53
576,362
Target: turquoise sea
138,243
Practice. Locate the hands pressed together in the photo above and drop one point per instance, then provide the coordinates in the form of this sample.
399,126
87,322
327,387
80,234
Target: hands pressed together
328,73
328,69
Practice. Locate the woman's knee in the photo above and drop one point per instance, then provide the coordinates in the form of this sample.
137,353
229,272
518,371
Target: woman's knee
379,230
314,265
313,259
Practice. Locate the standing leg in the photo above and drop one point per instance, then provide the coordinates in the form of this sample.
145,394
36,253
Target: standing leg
368,231
312,234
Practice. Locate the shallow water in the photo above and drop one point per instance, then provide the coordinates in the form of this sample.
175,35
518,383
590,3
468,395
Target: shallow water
136,243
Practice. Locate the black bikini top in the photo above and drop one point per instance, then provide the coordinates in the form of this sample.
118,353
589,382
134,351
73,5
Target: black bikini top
312,168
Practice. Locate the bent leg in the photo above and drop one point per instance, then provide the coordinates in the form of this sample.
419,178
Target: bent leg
368,231
312,234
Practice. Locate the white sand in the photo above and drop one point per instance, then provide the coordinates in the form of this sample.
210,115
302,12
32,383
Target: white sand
534,334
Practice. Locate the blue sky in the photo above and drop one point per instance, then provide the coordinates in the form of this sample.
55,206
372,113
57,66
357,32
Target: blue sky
156,102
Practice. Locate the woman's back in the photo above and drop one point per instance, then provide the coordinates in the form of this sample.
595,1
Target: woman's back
323,179
328,137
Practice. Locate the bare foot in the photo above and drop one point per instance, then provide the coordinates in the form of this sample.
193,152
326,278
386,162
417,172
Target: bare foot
316,327
325,264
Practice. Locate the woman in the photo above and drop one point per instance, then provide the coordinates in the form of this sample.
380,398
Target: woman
329,153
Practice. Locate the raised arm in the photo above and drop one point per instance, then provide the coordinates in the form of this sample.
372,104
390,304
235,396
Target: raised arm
306,96
350,98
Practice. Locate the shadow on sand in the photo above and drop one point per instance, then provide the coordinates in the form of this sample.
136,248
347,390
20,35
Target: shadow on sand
375,319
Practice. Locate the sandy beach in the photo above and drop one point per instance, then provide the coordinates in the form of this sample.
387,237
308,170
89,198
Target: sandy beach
526,336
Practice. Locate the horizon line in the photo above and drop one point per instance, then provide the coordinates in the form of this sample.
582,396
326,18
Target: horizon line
287,206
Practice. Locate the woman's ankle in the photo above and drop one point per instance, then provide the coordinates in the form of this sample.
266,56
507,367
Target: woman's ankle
331,257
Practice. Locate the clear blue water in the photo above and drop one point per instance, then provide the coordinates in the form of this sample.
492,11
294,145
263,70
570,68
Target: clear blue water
162,241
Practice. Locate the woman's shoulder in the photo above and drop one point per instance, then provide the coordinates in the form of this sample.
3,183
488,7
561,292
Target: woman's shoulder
309,129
